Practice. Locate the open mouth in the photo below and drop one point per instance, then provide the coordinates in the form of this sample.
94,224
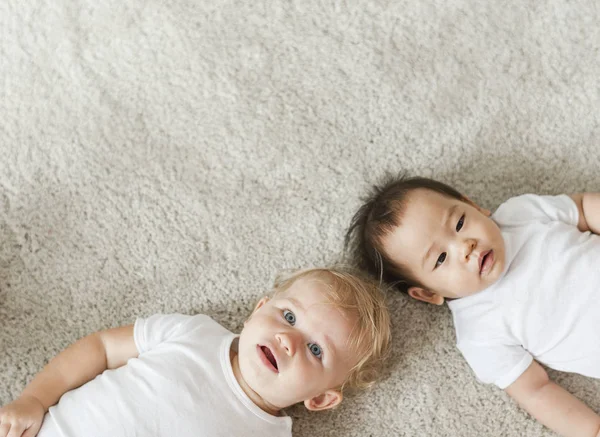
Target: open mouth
269,357
485,261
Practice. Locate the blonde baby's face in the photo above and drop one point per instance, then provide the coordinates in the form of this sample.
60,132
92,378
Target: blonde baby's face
452,247
294,348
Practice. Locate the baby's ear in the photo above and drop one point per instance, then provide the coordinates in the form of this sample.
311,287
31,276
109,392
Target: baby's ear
324,401
425,295
260,303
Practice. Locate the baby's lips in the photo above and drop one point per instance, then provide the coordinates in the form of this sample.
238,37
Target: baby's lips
268,358
486,259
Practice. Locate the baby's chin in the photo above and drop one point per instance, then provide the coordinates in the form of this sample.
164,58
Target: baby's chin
476,290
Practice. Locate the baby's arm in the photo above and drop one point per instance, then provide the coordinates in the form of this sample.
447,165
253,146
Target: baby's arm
588,205
79,363
552,405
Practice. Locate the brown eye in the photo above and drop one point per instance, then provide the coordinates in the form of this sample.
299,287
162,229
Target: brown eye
440,260
460,223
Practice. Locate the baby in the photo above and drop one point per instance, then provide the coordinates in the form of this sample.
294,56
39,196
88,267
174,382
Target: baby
173,375
522,284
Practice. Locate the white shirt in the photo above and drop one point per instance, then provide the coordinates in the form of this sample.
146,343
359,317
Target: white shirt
546,304
182,384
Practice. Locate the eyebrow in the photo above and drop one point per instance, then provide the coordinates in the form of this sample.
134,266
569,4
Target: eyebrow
426,257
296,303
329,347
449,213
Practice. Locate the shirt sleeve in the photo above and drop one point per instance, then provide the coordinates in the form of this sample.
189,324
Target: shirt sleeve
496,363
150,332
520,210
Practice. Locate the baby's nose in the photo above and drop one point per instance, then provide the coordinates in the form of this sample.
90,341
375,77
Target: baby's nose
468,247
287,343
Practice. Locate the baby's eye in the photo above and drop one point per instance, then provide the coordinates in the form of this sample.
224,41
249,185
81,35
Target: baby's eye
460,223
440,260
289,317
315,349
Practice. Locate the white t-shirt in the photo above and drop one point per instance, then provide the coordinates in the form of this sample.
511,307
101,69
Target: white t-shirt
546,304
182,384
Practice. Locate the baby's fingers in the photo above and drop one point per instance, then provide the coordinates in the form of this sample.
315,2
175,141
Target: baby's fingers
4,428
20,430
31,432
16,430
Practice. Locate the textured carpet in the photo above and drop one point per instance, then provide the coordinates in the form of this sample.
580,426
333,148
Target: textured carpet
173,156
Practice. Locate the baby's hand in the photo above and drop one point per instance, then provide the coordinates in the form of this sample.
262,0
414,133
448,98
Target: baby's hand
21,418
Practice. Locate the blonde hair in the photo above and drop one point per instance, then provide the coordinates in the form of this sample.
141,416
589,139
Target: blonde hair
353,294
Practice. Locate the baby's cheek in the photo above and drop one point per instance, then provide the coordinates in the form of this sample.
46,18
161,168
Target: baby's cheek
457,281
304,377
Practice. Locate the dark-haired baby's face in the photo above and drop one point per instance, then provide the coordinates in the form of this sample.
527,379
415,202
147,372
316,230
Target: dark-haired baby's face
452,247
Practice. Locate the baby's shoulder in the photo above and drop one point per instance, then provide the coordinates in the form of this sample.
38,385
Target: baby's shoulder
477,319
527,208
518,208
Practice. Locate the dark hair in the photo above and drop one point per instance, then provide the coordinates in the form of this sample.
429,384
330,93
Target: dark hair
380,213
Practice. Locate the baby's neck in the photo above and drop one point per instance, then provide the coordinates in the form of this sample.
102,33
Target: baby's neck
254,397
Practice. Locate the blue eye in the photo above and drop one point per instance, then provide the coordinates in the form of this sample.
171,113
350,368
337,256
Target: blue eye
315,349
440,260
460,223
289,317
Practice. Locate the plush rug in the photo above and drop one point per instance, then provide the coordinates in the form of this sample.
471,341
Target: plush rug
174,156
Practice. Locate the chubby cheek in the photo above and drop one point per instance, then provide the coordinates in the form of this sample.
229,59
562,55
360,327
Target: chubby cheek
451,284
468,283
459,281
306,378
248,366
299,391
257,329
304,372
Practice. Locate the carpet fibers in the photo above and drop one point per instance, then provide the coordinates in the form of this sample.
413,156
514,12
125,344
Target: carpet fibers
173,156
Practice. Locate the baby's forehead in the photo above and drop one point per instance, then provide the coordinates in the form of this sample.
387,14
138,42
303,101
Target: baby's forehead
421,220
305,299
315,297
424,209
429,198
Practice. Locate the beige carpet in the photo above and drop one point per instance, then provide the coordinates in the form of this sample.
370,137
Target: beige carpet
172,156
